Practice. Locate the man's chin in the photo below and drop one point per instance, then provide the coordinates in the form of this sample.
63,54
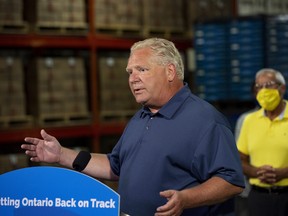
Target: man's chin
140,101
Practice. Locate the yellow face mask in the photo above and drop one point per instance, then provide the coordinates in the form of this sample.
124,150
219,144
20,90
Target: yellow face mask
268,98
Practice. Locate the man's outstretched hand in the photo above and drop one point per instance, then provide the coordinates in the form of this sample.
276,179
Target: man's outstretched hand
47,149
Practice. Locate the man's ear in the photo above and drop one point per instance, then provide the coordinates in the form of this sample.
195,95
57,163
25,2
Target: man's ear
282,90
171,72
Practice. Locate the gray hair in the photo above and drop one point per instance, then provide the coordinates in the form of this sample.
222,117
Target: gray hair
165,51
278,75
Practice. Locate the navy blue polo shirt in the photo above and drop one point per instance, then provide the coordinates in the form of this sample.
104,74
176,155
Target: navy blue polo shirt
187,142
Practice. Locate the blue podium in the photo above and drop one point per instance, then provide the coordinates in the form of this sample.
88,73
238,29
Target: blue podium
55,191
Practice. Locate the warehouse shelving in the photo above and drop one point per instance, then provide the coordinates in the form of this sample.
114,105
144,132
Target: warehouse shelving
93,43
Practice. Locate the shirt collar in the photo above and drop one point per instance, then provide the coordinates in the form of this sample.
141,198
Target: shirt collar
283,114
171,106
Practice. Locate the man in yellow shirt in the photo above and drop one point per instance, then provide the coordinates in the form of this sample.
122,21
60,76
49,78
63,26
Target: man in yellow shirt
263,147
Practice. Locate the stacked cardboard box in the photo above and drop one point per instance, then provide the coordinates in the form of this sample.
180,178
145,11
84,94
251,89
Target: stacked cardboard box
206,10
12,93
62,15
262,7
118,15
163,16
61,90
11,16
116,99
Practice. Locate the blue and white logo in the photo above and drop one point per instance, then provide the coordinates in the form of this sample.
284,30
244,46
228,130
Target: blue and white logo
50,191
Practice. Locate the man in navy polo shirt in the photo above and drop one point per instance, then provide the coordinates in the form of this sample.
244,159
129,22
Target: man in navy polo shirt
177,155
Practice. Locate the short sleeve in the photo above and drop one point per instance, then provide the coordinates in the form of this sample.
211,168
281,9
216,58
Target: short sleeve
242,143
114,158
217,155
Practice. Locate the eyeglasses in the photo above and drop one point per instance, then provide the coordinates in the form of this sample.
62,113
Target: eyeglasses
268,85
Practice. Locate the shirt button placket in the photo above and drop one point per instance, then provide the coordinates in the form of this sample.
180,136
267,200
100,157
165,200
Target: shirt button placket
148,127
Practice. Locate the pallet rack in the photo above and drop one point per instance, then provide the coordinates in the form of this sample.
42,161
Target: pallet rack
93,43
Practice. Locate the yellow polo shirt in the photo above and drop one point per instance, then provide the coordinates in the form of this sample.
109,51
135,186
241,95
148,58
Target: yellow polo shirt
265,141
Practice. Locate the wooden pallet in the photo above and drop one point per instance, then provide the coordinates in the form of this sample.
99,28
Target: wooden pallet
164,32
64,119
62,29
14,28
119,30
15,121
